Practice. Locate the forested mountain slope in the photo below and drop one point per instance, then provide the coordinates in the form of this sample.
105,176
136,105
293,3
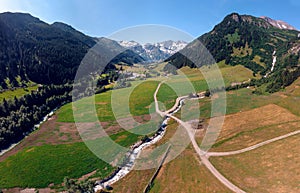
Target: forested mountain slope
252,42
31,49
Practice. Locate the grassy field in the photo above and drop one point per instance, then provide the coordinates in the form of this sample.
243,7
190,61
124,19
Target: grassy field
137,98
244,100
47,162
102,106
125,138
186,174
239,131
237,73
134,182
183,174
246,127
236,101
187,81
250,119
142,97
289,97
17,93
272,168
39,166
175,176
248,138
167,96
191,80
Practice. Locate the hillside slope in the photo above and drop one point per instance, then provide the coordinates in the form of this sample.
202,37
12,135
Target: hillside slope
31,49
37,51
249,41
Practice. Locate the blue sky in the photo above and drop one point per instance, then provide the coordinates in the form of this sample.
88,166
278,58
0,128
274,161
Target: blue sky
195,17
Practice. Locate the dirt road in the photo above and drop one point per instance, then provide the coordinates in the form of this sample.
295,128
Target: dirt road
201,154
217,154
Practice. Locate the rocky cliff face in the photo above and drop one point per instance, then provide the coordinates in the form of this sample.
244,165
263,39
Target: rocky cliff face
279,24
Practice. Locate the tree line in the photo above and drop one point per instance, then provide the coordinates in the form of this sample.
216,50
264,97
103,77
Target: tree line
19,115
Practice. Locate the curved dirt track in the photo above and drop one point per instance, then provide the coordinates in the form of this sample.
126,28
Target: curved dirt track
217,154
204,156
201,154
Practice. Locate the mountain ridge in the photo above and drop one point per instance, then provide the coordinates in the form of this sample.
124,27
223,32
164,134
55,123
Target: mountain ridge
155,52
249,41
37,51
33,50
279,23
51,53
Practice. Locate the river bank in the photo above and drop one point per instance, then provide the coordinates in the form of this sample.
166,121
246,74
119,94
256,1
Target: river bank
135,151
35,127
139,147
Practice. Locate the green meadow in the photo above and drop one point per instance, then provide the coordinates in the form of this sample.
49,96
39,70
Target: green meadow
40,166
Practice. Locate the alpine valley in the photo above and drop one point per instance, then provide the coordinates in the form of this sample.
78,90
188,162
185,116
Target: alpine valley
149,100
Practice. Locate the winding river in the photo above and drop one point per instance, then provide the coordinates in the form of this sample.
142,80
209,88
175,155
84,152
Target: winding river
132,154
137,149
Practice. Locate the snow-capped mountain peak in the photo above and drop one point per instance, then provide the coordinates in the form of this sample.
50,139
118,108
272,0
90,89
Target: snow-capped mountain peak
128,44
155,52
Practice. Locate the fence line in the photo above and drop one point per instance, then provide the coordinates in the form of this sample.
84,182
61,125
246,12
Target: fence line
149,185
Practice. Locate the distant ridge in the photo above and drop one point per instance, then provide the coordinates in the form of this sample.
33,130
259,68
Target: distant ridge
155,52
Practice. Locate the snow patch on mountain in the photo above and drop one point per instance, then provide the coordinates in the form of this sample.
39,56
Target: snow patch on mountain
279,24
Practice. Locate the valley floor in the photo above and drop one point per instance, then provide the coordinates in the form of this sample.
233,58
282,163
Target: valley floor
255,137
